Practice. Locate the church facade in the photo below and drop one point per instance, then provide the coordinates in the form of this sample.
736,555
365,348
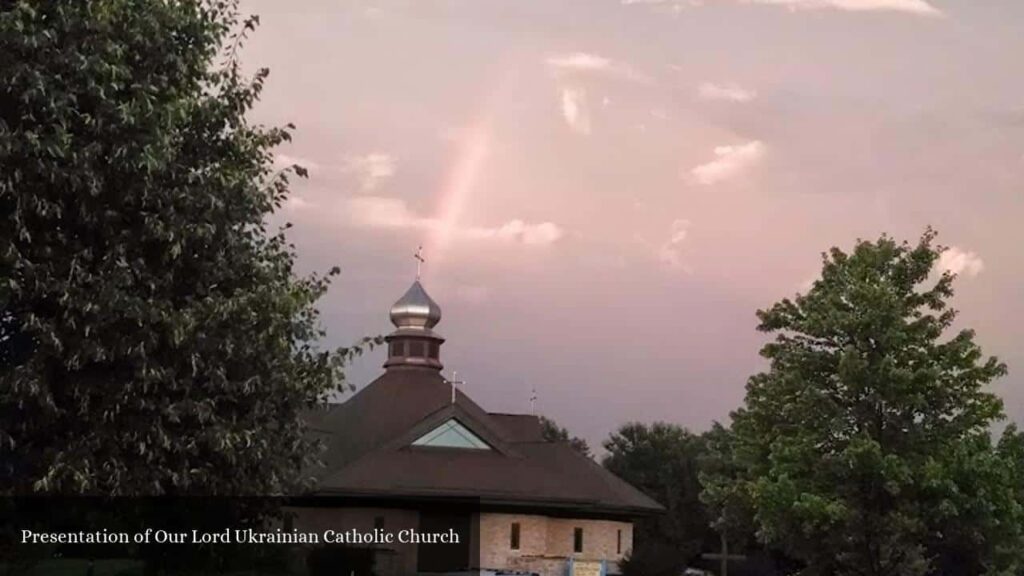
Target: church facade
411,454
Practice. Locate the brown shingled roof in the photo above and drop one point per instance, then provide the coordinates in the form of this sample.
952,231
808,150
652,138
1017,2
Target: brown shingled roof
521,427
369,453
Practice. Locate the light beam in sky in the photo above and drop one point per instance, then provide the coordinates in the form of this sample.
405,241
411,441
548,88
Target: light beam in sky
458,186
461,181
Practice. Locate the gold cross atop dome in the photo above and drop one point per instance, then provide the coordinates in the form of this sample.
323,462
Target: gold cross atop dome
419,260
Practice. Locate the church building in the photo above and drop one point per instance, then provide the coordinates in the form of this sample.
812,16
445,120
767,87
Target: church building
411,453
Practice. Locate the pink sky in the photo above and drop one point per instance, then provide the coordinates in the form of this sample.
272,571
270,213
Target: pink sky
606,191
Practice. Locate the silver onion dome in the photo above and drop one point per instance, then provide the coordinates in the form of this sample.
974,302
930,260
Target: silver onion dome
415,309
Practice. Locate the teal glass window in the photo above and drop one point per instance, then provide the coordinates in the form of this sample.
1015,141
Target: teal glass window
452,434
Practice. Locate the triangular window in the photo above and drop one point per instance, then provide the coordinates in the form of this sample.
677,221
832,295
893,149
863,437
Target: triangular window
452,434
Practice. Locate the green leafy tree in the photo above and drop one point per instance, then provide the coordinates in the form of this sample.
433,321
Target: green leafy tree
1009,467
552,432
865,449
154,337
662,460
1011,447
728,505
731,511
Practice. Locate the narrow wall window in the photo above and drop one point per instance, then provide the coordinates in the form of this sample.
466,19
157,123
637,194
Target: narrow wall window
618,542
378,522
514,536
577,540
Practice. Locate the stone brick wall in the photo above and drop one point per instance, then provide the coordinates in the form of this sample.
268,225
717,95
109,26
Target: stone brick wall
401,559
545,543
600,538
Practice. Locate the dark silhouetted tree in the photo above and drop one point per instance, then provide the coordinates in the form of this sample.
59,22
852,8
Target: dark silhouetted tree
552,432
662,460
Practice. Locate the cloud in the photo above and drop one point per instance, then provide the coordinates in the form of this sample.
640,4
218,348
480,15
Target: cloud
473,293
675,5
372,12
729,161
575,110
573,101
380,212
961,262
452,133
587,63
670,251
519,231
918,7
921,7
725,92
297,203
282,161
394,213
370,169
579,61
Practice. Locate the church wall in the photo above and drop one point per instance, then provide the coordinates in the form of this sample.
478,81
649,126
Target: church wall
495,544
545,543
400,558
600,538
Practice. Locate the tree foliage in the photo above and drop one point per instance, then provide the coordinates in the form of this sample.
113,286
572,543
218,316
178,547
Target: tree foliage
552,432
864,449
664,461
154,337
729,511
